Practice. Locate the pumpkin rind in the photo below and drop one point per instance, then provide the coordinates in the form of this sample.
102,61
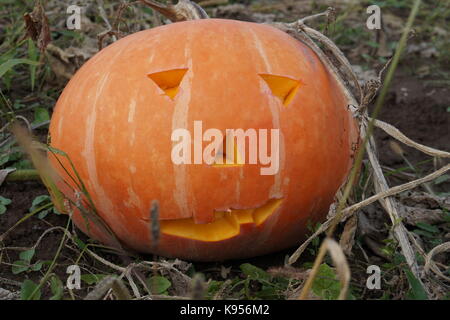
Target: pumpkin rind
115,122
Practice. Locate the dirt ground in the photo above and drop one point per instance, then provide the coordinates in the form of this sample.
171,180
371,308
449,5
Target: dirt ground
420,112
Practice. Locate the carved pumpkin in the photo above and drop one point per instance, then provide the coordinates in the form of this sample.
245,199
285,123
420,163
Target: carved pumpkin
116,117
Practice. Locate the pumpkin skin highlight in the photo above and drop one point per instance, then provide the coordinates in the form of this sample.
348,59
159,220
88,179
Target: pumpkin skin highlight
115,123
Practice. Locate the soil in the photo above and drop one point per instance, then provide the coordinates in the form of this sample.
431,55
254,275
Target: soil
420,112
27,233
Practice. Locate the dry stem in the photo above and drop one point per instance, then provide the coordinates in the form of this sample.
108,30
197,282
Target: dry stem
184,10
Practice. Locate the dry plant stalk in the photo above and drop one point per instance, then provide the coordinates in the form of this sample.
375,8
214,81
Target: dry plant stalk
431,265
349,211
51,180
184,10
395,133
109,283
40,162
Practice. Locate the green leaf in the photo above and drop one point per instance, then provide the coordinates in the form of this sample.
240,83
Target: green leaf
2,209
417,291
23,164
373,44
213,287
8,65
446,215
40,115
27,290
326,285
423,233
267,292
80,244
158,284
4,158
57,288
44,213
254,272
12,155
441,179
5,201
90,278
27,255
37,266
427,227
19,266
40,200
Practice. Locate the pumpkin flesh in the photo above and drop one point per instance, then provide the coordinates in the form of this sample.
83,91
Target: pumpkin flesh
116,116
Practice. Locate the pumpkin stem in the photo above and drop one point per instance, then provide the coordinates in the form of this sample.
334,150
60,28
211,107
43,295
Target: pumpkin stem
184,10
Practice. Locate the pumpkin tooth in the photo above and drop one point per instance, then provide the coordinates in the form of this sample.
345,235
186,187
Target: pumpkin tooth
227,224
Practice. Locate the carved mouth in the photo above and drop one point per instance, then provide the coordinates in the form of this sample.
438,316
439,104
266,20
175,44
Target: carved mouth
226,224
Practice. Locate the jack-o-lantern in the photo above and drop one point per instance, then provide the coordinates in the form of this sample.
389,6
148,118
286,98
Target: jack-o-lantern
117,120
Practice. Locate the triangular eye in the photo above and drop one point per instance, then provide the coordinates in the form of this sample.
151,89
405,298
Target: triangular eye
223,159
282,87
169,81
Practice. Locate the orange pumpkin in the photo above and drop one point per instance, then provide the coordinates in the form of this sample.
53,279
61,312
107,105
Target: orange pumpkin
116,117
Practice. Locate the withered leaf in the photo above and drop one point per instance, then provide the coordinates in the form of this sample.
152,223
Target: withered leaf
36,25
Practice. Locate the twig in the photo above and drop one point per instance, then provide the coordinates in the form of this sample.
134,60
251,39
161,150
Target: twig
11,138
431,265
395,133
337,53
36,244
10,282
154,223
102,14
300,31
315,16
109,283
339,261
184,10
390,206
